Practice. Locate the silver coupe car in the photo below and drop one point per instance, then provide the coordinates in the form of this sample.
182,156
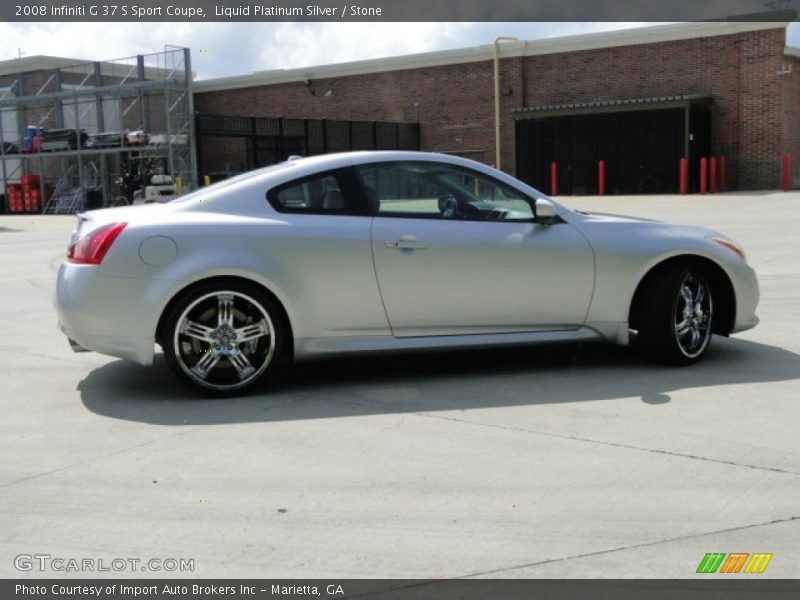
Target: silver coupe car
386,251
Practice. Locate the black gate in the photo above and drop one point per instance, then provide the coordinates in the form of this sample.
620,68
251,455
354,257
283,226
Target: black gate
230,144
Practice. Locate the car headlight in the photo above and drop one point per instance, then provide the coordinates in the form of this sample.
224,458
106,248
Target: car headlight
730,246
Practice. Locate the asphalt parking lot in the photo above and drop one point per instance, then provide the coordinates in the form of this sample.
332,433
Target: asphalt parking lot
548,462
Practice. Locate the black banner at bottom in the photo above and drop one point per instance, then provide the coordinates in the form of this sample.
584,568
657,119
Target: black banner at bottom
398,589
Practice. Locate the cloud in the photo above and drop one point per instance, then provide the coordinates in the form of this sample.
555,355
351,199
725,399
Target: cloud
222,49
294,45
90,41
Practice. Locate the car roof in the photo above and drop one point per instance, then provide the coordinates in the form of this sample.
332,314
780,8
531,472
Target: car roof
301,167
361,156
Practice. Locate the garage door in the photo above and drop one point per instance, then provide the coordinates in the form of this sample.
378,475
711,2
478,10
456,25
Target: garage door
641,150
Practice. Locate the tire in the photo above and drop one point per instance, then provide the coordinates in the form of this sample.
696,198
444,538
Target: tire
676,314
223,338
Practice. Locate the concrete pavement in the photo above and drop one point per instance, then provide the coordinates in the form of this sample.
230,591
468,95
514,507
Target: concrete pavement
544,462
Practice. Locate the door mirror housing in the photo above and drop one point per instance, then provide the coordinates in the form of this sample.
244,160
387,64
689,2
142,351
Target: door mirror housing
545,211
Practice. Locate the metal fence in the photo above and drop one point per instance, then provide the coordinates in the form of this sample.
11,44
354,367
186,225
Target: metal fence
228,144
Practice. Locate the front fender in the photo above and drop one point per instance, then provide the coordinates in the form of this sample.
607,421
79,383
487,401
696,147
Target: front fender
626,255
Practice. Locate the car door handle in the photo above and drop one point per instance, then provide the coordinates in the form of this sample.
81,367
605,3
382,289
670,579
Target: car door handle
407,242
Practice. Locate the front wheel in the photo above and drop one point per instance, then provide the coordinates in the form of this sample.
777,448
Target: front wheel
676,315
222,339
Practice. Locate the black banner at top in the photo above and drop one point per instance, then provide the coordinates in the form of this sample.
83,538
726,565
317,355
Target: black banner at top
397,10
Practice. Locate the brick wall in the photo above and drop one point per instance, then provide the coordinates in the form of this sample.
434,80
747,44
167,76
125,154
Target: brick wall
450,102
791,116
755,113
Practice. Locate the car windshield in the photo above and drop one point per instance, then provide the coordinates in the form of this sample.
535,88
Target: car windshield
201,192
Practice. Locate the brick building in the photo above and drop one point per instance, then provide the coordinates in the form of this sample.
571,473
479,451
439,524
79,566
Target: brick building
638,99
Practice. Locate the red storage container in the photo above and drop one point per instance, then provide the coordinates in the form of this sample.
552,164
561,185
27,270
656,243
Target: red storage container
26,200
36,204
14,198
29,182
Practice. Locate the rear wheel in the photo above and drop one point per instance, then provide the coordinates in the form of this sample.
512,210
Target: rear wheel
676,315
223,339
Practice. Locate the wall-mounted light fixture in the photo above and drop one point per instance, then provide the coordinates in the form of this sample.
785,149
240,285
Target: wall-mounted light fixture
311,90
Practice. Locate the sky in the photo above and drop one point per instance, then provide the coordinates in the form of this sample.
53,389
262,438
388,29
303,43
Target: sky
224,49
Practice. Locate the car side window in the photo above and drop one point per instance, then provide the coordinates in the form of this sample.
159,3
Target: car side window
318,194
430,190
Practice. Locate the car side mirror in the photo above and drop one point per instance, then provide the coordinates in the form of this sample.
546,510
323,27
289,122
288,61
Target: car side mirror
545,211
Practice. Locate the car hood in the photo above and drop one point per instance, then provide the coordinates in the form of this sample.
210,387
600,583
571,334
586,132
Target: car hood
609,223
612,218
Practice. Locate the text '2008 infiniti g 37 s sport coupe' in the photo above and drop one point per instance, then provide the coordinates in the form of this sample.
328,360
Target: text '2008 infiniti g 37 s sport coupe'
386,251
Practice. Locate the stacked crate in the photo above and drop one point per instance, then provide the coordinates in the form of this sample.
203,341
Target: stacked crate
26,196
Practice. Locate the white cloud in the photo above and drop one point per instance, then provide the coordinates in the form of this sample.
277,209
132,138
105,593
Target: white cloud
294,45
221,49
91,41
793,34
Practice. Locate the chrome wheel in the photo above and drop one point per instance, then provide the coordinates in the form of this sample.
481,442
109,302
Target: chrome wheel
693,315
224,340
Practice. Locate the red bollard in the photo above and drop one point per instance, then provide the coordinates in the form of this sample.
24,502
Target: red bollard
786,183
554,179
703,176
683,177
601,178
723,175
713,170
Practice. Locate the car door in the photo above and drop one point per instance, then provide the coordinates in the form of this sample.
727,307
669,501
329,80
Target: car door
458,252
322,256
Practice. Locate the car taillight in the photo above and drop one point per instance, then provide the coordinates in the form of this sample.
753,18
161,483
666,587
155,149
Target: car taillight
92,248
